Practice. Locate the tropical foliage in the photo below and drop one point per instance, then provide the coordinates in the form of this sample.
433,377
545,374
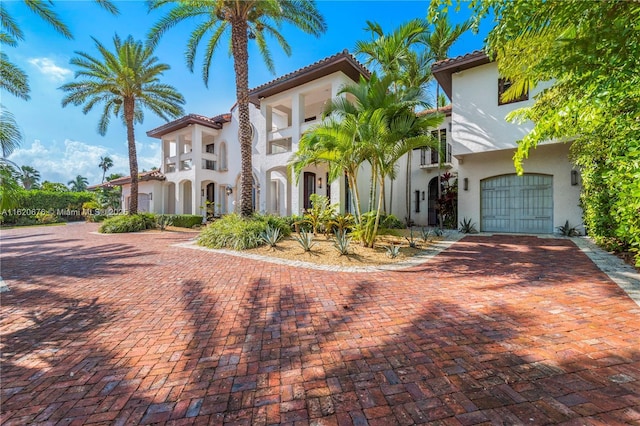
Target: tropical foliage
10,134
241,21
29,177
78,184
589,52
367,123
126,81
105,164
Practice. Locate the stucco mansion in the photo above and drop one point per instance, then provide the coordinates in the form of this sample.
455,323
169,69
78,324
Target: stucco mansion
201,155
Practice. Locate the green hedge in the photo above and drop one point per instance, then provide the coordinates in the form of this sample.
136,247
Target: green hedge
64,205
128,223
185,220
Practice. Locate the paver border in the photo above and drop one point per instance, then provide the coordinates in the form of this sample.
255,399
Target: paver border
436,247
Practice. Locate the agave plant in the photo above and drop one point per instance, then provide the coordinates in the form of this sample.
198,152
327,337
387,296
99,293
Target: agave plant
567,230
393,251
271,236
162,221
342,242
305,239
468,227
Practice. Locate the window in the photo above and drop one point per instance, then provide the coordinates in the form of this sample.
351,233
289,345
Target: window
222,156
503,85
279,146
417,198
210,148
430,156
208,164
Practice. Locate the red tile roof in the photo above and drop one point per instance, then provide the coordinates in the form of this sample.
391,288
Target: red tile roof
215,122
343,61
142,177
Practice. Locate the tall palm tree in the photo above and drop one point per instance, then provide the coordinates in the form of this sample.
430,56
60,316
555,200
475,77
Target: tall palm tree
372,124
105,164
396,55
78,184
12,78
29,177
241,20
125,80
438,43
10,134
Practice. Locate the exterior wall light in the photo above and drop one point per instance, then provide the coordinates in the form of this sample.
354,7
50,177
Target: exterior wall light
465,184
320,183
574,177
229,190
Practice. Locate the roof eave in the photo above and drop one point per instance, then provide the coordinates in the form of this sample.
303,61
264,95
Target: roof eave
180,123
443,70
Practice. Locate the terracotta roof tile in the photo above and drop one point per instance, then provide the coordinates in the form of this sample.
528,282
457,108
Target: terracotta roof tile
142,177
343,61
215,122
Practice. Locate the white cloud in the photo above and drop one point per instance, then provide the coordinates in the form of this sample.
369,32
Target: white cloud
52,71
63,163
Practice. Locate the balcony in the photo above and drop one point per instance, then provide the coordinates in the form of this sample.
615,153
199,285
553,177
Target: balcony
279,146
430,159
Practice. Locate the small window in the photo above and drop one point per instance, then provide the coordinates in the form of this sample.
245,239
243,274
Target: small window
503,85
210,148
417,196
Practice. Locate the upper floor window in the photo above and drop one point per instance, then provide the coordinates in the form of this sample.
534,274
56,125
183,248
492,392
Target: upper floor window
429,156
222,156
210,148
503,85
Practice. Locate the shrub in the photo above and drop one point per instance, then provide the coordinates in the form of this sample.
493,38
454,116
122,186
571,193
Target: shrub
163,220
467,227
273,221
568,230
393,251
65,204
234,232
342,242
44,218
305,239
186,220
391,222
271,236
127,223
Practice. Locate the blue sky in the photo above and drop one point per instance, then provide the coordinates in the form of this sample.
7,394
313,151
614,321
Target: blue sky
63,142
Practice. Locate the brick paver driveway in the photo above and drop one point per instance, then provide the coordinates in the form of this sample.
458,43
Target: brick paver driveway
128,329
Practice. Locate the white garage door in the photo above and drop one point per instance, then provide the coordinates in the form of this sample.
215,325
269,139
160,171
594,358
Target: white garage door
521,204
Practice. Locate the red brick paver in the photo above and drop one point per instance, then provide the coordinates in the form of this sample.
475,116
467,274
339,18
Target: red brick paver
130,329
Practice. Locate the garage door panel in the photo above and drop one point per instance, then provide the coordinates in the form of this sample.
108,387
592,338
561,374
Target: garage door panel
520,204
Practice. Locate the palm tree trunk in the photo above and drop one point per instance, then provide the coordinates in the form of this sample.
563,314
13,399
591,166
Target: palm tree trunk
408,188
374,232
129,107
440,155
240,52
355,196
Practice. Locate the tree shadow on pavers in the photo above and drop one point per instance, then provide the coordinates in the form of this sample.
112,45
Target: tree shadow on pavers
520,261
51,264
55,367
451,361
83,361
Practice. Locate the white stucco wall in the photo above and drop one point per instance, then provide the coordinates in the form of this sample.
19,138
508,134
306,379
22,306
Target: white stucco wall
551,159
478,122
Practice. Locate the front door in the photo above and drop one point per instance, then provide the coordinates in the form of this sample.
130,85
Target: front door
309,188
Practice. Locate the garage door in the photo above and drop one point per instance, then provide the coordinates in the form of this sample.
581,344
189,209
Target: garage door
520,204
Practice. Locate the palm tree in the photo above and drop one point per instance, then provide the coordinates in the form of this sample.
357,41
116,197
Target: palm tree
377,125
12,78
105,164
29,177
78,184
241,20
396,56
10,134
125,80
438,43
